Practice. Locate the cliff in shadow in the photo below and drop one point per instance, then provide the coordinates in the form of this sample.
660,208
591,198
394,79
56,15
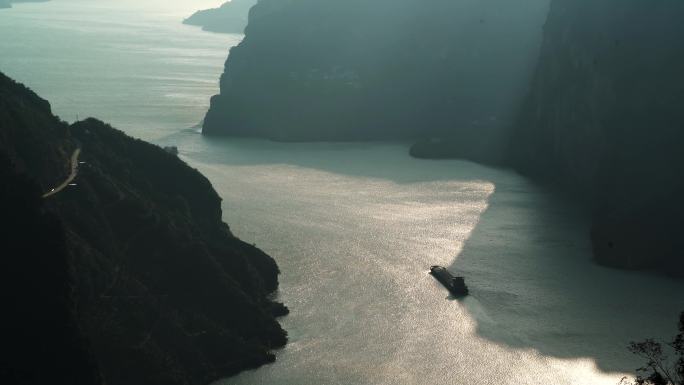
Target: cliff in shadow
231,17
312,70
144,281
604,119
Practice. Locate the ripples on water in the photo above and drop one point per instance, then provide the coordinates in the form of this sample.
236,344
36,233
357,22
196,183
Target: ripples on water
354,227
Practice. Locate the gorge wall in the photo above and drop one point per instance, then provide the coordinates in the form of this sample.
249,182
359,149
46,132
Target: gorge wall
129,277
358,70
600,113
604,118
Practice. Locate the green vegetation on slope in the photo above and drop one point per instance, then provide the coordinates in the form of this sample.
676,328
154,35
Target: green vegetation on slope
162,291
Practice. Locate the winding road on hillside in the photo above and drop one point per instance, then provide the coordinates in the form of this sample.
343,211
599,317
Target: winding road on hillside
70,178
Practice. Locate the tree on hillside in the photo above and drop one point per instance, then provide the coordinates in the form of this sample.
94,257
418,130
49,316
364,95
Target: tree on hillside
665,362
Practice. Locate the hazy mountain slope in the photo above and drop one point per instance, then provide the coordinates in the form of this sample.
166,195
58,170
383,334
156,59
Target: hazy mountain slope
231,17
605,118
356,70
163,292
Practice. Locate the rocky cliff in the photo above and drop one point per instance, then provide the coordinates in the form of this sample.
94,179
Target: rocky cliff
131,274
604,118
231,17
387,69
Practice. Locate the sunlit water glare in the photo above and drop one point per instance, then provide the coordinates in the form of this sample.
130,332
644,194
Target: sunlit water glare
355,227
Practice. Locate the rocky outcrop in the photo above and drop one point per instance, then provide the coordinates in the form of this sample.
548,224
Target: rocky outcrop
231,17
604,118
147,281
387,69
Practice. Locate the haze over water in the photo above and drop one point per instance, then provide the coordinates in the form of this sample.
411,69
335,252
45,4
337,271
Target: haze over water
127,62
355,227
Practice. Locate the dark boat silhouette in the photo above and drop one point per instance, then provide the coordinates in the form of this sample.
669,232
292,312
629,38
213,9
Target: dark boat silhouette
456,285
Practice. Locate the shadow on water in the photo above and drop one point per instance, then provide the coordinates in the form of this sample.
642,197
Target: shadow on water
527,263
533,284
371,160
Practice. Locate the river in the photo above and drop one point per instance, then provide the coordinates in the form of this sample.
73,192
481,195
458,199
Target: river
355,227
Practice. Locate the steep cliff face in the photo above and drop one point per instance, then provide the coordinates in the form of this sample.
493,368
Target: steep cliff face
355,70
231,17
605,118
156,284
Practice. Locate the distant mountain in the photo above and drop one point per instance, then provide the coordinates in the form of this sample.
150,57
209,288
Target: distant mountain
130,276
231,17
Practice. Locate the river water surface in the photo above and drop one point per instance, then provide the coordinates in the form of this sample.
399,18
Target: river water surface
355,227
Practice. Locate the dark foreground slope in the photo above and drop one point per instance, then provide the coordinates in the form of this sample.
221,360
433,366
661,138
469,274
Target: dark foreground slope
42,341
605,118
385,69
231,17
138,260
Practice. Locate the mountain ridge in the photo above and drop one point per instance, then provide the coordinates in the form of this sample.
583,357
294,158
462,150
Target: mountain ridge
157,286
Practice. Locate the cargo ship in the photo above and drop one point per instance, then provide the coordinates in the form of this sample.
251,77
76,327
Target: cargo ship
456,285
